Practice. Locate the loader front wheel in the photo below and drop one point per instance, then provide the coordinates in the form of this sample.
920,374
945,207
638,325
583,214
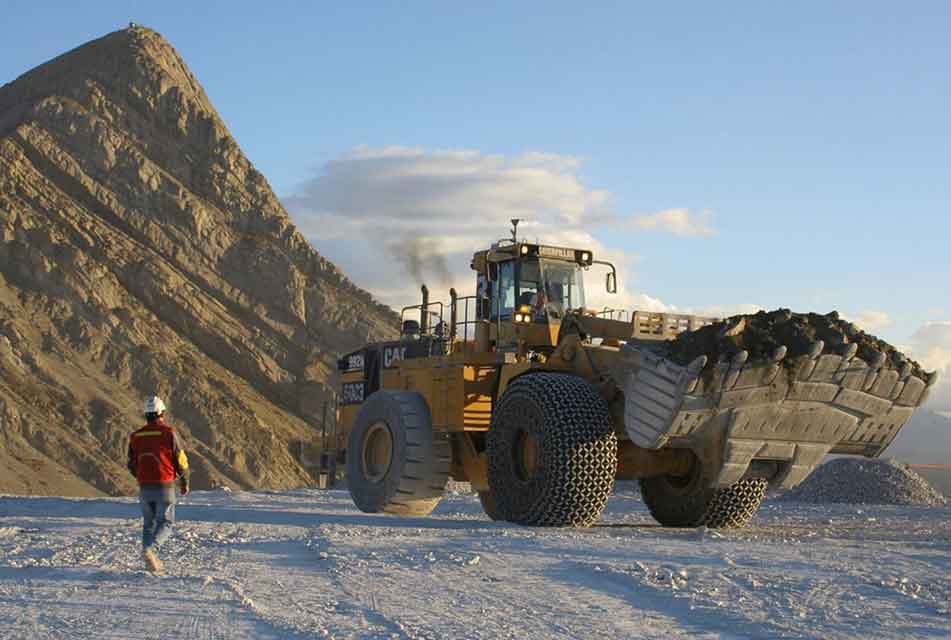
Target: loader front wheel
552,452
688,501
395,463
485,498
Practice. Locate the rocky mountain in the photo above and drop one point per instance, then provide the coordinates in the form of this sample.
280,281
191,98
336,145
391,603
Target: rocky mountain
926,439
141,252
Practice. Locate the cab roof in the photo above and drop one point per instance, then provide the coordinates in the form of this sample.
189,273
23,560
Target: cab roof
505,250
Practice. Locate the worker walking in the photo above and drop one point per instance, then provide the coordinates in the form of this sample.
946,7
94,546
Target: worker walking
156,459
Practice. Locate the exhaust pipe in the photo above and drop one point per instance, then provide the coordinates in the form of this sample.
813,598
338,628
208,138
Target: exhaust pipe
453,296
424,312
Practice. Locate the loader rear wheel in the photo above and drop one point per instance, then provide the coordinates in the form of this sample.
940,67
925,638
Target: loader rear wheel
552,452
688,501
395,463
736,505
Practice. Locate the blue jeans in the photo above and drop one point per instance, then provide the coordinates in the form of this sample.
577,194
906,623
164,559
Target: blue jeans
158,514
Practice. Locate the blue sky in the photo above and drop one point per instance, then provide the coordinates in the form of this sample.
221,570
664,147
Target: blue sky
815,134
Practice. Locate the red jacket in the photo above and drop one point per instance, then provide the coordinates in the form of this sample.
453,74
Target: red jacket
156,456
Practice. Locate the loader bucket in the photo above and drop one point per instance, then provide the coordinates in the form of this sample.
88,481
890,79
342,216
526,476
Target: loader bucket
791,411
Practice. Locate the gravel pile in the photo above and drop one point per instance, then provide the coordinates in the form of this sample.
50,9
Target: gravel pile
863,481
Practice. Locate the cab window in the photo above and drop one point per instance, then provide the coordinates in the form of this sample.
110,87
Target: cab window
529,282
503,291
564,288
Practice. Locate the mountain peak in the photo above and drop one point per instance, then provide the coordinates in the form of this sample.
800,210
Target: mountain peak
130,89
135,64
134,53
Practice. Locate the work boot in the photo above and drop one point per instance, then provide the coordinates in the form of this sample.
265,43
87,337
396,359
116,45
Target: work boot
152,563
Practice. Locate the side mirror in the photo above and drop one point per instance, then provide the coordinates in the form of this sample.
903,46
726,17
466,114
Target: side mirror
610,282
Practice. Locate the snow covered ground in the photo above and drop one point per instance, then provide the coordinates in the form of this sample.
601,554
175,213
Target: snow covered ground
306,563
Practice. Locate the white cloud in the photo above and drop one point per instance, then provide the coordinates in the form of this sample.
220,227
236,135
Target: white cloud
725,311
869,320
395,217
676,221
931,346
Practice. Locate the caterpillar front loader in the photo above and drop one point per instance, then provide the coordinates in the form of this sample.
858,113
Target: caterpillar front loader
541,404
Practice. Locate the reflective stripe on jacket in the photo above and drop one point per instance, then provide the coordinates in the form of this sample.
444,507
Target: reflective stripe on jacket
156,456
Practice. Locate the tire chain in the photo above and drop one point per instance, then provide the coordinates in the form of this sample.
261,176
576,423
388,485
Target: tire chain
581,457
735,506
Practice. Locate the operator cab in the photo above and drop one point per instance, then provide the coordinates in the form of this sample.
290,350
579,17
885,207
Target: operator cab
526,290
549,287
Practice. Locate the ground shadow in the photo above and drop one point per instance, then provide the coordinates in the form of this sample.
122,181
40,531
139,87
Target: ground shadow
638,596
56,507
237,515
82,510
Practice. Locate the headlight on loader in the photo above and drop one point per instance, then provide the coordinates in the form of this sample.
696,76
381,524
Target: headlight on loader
523,315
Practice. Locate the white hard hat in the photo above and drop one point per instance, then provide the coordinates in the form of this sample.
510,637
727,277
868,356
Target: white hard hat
154,404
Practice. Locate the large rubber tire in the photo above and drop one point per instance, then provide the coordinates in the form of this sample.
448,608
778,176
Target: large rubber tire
395,463
736,505
485,498
568,478
688,501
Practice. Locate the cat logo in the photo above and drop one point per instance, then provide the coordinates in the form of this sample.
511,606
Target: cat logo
392,355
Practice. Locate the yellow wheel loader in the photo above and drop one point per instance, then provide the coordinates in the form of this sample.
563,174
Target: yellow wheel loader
541,404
